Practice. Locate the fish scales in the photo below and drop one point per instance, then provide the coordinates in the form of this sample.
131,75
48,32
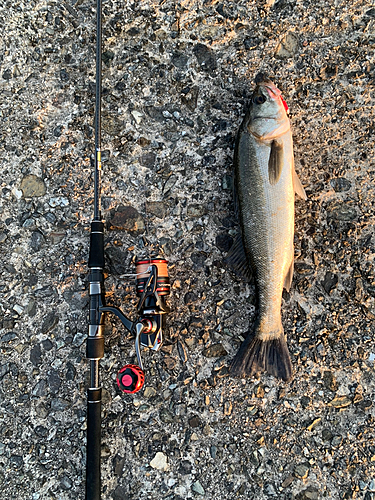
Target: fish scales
265,184
267,222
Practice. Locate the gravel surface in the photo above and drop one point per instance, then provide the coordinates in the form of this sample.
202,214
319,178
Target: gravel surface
176,80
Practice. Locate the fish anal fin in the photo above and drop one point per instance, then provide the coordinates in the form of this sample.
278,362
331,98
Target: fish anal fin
236,259
289,276
275,162
298,188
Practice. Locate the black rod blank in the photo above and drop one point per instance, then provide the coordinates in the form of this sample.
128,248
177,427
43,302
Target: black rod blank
98,114
95,339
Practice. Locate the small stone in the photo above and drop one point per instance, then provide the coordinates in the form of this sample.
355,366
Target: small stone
314,423
58,404
180,60
7,75
56,236
36,355
194,422
58,201
215,351
190,297
50,321
344,212
287,481
166,416
198,488
205,57
301,471
330,381
149,392
148,160
310,493
66,483
196,210
18,309
128,219
327,435
340,402
259,391
228,406
185,467
305,401
340,184
330,281
36,241
213,451
288,46
269,489
182,351
160,462
157,208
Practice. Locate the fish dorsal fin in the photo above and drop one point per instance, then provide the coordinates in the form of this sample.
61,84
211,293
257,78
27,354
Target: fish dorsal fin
298,188
236,259
289,276
275,162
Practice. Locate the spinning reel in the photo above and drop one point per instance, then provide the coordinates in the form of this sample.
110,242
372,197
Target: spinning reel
152,286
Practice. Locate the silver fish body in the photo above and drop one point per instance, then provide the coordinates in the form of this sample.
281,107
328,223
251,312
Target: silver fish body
265,182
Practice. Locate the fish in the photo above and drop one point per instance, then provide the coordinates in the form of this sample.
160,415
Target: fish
265,183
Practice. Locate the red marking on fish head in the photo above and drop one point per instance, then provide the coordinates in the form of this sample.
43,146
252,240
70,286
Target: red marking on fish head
284,104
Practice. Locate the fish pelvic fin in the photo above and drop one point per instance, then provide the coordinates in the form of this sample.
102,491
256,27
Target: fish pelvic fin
289,276
275,162
256,355
298,188
237,261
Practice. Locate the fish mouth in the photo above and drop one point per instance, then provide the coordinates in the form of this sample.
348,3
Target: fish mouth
263,118
270,88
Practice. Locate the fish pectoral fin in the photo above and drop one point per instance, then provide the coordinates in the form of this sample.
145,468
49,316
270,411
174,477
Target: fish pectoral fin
298,188
275,162
289,276
237,260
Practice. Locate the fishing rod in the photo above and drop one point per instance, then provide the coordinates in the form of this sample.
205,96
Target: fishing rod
152,287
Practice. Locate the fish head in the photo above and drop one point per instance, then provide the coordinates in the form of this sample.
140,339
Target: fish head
268,110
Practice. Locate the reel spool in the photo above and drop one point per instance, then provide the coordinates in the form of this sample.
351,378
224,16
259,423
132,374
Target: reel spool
163,286
130,379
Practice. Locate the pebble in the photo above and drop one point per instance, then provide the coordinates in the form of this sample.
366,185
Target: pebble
58,201
198,488
288,46
160,462
215,351
310,493
149,392
127,218
287,481
32,186
301,471
157,208
340,402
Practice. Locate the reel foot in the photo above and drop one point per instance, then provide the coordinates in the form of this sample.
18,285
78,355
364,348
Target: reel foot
130,379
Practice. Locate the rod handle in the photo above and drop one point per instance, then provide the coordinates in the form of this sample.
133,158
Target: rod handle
93,483
96,256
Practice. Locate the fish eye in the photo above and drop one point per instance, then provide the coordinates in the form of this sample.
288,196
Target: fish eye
259,99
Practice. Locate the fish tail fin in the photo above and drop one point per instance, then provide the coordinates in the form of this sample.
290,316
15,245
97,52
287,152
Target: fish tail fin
256,355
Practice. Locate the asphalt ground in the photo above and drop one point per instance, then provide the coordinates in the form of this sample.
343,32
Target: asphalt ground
176,80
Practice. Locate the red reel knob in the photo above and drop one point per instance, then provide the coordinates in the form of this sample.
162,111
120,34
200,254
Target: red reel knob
130,379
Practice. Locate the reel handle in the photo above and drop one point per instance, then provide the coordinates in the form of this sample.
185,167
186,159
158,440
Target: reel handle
130,379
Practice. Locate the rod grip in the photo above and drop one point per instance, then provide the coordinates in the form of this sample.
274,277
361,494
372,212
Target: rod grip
96,256
93,483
